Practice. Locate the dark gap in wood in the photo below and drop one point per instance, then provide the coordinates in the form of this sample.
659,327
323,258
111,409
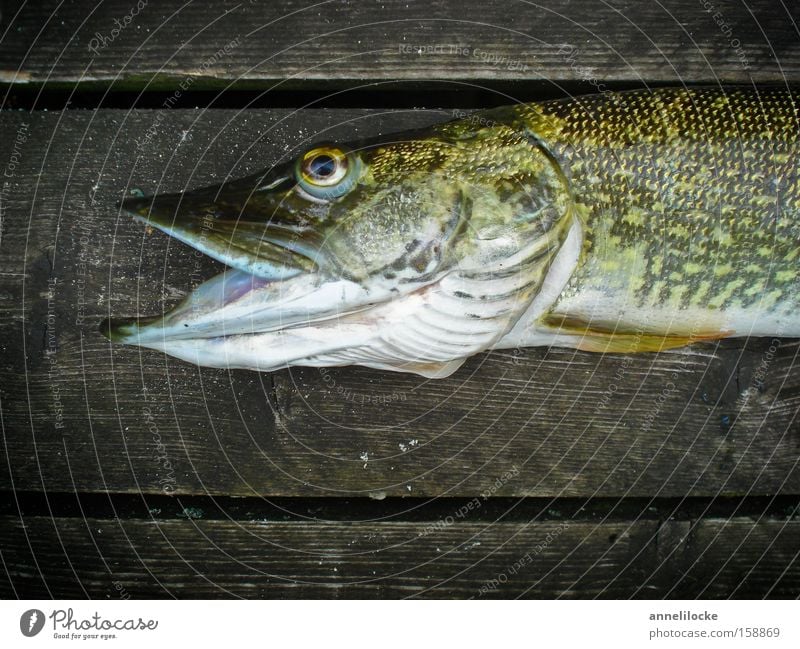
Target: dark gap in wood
443,510
375,95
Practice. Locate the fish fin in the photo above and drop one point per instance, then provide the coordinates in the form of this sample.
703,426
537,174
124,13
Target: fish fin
431,370
428,369
594,341
600,338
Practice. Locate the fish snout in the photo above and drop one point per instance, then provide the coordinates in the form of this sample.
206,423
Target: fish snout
222,223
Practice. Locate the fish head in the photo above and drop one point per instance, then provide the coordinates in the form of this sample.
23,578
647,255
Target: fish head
333,249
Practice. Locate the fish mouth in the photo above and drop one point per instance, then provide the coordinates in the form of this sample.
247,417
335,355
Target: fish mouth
236,303
276,279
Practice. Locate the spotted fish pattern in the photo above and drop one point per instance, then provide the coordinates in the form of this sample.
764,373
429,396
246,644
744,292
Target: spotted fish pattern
699,190
690,198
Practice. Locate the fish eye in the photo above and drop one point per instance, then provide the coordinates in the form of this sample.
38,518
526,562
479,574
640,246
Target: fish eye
327,172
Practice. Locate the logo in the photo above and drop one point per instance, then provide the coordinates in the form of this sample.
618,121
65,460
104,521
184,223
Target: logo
31,622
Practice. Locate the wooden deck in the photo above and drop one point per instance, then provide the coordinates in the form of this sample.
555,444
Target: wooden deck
541,473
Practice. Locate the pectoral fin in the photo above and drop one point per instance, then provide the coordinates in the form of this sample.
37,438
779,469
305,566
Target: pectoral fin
431,370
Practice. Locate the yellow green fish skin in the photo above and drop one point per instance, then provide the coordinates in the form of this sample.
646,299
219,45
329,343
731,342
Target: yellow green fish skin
690,201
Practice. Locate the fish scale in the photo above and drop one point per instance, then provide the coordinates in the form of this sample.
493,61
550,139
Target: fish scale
691,180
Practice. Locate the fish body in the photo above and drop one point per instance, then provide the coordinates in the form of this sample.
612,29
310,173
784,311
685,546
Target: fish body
630,222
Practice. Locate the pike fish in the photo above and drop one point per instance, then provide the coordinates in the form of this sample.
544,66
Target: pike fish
620,222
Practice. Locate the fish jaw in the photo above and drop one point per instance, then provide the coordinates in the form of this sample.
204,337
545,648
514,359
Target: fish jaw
239,321
236,303
225,224
404,335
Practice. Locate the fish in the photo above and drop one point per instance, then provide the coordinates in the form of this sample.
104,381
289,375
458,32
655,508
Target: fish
619,222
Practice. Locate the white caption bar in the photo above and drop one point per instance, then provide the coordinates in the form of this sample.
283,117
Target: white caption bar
395,624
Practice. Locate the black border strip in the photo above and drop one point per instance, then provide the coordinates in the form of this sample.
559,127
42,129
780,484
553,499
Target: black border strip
163,507
344,94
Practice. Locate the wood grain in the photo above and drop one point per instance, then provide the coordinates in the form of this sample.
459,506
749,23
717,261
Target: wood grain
343,43
80,414
107,559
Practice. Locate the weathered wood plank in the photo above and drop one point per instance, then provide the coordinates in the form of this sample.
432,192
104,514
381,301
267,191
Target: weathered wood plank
81,414
102,558
292,44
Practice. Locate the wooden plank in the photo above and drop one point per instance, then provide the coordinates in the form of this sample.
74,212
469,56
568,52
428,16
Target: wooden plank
335,43
100,558
81,414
